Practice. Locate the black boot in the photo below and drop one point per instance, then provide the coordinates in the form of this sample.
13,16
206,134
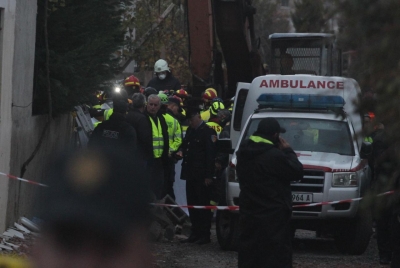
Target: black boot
191,239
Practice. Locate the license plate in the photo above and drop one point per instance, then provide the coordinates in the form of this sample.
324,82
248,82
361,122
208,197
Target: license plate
301,198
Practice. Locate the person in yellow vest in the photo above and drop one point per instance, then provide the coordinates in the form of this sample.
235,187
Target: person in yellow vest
175,141
207,97
213,121
160,145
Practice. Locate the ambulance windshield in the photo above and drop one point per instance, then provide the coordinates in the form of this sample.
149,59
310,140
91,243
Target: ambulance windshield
315,135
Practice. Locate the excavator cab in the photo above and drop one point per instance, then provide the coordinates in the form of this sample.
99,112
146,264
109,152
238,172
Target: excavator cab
305,53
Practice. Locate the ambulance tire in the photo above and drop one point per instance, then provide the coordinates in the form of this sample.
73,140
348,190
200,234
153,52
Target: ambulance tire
227,225
353,236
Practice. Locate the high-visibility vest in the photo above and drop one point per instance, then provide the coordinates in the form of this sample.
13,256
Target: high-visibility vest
205,115
174,132
215,126
158,140
108,113
368,139
258,139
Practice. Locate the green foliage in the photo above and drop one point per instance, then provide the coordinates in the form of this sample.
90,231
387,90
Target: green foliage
372,28
168,38
82,36
309,16
269,19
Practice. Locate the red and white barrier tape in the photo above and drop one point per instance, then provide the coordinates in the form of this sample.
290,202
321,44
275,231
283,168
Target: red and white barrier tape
23,180
295,206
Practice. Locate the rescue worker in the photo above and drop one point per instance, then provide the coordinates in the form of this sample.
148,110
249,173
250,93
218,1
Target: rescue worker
183,95
265,167
164,103
224,117
198,166
208,95
160,145
164,79
384,167
175,141
141,123
132,85
116,131
95,213
213,121
150,91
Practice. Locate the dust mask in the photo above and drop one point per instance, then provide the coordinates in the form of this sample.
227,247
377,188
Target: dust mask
162,76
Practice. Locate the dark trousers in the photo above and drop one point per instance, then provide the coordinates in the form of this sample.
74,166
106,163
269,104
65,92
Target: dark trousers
169,174
395,241
156,176
383,232
197,193
265,241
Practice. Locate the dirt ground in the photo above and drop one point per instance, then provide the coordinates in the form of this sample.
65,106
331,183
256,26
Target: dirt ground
308,251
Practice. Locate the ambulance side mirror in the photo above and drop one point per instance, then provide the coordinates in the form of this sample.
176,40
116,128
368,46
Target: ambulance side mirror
366,150
225,146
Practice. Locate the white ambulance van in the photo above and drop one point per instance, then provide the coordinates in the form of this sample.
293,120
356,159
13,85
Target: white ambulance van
324,129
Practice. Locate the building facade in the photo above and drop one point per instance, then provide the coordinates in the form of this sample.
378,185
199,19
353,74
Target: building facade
20,131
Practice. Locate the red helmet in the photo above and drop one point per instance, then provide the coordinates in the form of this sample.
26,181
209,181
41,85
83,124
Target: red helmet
209,95
181,93
178,98
132,81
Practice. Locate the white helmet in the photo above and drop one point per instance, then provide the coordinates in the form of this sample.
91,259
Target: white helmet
161,66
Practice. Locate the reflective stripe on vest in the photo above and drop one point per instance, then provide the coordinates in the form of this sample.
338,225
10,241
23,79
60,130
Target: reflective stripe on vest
174,132
215,126
108,113
258,139
158,140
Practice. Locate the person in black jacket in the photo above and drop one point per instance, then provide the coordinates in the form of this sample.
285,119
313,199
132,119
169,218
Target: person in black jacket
160,144
265,166
198,166
140,122
116,131
164,79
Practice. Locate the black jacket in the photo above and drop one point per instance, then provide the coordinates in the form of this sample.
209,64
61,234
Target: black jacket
164,127
170,82
264,174
199,151
141,123
115,132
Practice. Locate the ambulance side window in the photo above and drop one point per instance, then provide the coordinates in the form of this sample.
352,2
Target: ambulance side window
240,102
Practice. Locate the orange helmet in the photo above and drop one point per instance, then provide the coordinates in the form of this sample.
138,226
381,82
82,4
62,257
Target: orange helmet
181,93
132,81
209,95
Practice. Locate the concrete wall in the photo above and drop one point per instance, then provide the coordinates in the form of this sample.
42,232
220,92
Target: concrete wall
19,130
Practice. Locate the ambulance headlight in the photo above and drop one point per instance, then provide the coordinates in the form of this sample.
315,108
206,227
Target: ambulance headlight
345,180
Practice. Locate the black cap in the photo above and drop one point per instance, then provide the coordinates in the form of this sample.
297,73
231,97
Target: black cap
120,106
192,111
269,126
100,187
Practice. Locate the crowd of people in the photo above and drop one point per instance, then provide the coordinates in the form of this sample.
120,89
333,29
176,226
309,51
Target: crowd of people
99,198
150,122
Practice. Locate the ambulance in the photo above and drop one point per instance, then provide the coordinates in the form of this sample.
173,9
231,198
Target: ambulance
324,128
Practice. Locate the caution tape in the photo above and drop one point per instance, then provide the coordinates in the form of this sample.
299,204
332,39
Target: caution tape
295,206
23,180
